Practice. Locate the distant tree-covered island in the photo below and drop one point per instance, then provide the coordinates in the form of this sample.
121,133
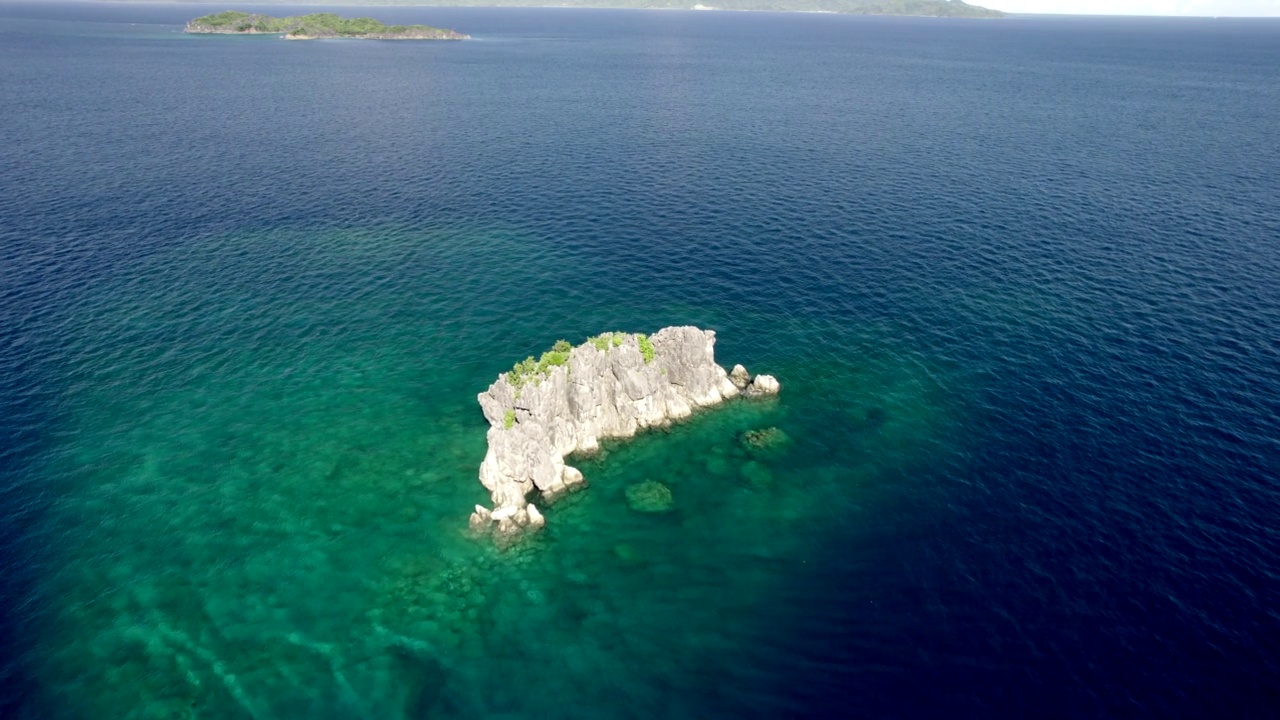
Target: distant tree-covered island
921,8
926,8
316,25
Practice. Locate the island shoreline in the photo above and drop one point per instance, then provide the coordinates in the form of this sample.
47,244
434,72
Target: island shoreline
313,26
612,386
979,12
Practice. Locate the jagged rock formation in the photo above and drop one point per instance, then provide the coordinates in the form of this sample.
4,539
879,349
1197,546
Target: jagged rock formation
611,386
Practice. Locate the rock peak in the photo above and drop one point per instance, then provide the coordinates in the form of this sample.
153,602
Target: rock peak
611,386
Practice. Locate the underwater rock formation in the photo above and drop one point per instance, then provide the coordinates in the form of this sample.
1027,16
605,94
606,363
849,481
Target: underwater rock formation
763,439
649,496
611,386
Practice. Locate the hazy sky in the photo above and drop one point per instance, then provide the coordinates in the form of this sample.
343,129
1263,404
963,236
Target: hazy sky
1224,8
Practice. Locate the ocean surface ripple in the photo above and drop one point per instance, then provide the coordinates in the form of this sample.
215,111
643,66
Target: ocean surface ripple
1019,279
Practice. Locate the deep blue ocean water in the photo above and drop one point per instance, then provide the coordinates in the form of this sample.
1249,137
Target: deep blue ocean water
1019,279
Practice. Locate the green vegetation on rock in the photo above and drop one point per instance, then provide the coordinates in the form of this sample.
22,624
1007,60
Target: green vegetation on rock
534,371
646,347
930,8
530,370
315,25
509,419
604,341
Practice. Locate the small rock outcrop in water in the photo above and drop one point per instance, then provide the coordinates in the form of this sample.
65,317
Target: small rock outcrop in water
650,496
611,386
763,439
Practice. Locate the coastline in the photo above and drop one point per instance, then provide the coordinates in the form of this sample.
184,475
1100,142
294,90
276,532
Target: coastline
697,7
287,36
313,26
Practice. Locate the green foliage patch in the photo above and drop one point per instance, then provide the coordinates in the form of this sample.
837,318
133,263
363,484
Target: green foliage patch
646,347
932,8
314,25
604,341
509,419
533,371
530,370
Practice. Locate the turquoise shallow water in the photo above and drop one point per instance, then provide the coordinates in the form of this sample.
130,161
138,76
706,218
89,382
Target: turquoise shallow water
268,493
1017,279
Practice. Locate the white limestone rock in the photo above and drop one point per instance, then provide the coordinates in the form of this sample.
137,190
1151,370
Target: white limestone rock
610,387
481,518
764,385
572,477
536,520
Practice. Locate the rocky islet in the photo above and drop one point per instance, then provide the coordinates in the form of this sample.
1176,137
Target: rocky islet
612,386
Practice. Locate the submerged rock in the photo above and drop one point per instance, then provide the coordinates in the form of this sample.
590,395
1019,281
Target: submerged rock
612,386
763,439
768,444
650,496
757,476
717,465
627,553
